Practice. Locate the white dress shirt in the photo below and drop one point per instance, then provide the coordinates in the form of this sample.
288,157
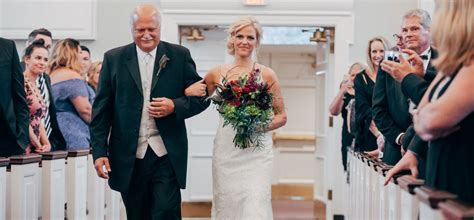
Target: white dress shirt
148,134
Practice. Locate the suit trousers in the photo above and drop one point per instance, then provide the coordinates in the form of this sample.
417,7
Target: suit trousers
154,192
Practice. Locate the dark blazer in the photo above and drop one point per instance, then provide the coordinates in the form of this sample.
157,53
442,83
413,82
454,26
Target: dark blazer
364,87
414,87
14,118
56,138
118,107
390,111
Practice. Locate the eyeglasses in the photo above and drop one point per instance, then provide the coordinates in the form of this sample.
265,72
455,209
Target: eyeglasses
397,36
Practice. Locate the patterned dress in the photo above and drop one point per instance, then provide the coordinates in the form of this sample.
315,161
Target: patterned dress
37,110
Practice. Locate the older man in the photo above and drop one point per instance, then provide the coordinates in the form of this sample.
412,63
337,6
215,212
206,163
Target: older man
415,78
141,102
391,105
14,119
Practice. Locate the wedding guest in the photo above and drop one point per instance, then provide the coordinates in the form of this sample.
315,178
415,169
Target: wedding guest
368,137
43,83
445,115
13,107
93,74
36,60
71,94
36,34
85,58
339,104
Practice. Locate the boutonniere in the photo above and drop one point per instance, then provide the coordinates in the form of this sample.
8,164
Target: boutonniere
163,60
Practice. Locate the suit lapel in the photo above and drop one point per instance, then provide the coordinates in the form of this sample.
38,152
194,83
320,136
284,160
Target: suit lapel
431,70
133,68
161,50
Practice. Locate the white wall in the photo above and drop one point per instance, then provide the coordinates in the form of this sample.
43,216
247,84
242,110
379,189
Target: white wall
376,18
112,25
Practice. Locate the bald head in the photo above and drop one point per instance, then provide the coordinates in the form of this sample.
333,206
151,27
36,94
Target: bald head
146,26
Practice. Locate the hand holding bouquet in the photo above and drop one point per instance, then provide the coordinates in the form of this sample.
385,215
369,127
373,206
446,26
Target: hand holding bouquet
246,105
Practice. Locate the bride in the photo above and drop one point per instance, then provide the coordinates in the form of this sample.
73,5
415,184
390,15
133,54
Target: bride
242,177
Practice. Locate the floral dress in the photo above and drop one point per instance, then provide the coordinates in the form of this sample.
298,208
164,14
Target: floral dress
37,110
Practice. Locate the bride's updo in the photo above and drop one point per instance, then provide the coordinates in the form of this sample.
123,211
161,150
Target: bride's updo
237,26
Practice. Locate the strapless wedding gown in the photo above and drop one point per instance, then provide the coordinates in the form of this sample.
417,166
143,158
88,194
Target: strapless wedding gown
241,178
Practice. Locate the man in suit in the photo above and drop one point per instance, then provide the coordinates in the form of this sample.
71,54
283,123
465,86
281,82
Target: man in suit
43,82
415,79
141,103
14,117
390,103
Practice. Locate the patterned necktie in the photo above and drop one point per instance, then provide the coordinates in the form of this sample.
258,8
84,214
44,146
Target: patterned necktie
46,119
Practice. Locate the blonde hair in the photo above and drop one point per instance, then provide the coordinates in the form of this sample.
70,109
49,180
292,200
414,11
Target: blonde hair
385,47
93,69
65,55
239,25
356,65
453,34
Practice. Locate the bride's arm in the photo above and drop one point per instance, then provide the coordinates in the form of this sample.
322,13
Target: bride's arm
199,87
279,118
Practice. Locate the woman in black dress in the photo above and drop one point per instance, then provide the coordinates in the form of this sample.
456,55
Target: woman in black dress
339,106
367,132
446,114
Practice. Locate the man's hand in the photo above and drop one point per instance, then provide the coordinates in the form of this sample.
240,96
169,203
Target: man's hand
408,162
160,107
196,89
44,148
99,164
399,70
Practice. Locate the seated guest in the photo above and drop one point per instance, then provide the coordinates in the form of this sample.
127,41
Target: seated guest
339,104
13,107
85,58
93,74
36,61
71,94
368,137
445,116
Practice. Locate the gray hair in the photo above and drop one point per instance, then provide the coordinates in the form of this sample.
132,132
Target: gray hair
425,18
134,15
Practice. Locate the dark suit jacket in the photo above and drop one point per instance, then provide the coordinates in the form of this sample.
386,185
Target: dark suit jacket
414,87
390,109
14,117
118,107
56,138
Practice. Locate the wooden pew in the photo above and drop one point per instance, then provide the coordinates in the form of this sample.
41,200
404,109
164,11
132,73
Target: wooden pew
53,183
22,187
384,195
456,210
95,192
409,202
76,173
429,200
3,186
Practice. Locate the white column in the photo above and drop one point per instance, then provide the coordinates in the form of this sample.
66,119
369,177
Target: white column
375,190
22,189
3,186
53,185
393,200
95,193
77,184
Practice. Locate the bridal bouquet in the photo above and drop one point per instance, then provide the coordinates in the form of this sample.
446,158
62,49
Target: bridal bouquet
246,105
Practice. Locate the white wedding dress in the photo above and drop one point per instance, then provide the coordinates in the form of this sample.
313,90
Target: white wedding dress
241,178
